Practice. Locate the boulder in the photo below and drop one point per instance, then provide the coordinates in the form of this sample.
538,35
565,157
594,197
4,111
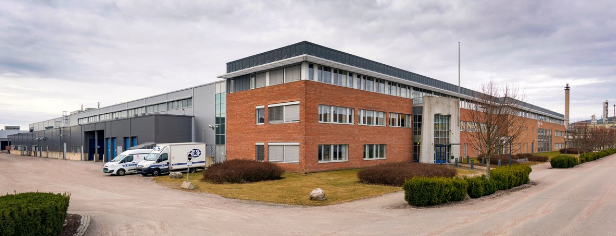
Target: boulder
176,175
187,185
317,194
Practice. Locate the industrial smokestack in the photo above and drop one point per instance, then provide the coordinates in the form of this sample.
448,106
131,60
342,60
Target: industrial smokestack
567,106
605,112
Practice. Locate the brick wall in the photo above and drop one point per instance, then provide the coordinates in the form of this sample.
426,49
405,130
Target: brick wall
243,132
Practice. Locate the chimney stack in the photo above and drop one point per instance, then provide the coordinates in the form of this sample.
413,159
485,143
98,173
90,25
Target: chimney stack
567,106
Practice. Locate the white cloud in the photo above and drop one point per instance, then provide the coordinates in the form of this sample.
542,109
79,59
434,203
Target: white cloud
59,55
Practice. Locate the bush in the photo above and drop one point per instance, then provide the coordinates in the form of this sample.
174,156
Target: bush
426,191
396,173
573,150
505,158
564,161
242,171
591,156
480,186
33,213
507,177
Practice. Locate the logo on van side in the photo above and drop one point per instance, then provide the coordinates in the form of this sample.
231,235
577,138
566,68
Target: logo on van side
195,153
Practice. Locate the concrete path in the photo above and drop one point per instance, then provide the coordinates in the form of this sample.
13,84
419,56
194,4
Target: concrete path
578,201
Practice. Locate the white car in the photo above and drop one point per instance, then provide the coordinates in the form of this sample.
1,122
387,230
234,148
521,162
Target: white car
126,162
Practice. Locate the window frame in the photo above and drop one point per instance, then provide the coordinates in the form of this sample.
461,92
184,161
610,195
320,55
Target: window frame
331,149
375,150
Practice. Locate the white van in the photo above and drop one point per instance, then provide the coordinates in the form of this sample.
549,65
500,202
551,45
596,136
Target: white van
126,162
168,157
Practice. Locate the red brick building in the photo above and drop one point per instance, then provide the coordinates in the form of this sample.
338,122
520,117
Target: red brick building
311,108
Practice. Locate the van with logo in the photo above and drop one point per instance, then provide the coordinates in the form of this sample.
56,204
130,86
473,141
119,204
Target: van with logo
169,157
126,162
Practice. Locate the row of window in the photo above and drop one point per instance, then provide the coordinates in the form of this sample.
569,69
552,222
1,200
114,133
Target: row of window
279,113
289,112
335,76
161,107
289,152
469,105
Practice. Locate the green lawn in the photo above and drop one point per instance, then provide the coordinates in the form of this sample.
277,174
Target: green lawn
339,186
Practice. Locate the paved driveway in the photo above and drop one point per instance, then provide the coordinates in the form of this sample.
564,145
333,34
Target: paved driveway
578,201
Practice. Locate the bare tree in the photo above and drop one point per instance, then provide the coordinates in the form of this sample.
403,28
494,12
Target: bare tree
498,114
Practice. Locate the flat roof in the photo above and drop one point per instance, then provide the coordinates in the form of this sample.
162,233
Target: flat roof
295,51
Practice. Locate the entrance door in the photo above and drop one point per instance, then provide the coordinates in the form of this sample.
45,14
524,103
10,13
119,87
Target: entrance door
440,154
91,149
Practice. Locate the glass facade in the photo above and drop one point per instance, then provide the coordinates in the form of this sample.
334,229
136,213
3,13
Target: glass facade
221,117
544,140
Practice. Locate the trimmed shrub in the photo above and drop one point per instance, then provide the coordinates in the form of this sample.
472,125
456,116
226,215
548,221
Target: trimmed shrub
564,161
395,174
33,213
505,158
480,186
242,171
591,156
426,191
507,177
573,150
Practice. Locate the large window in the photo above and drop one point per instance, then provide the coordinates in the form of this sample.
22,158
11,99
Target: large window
374,151
367,117
399,120
260,115
283,152
441,129
333,153
333,114
283,113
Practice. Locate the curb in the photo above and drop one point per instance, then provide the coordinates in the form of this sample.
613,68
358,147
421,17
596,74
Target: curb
85,222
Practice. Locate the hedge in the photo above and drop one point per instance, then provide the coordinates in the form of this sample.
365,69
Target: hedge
427,191
591,156
395,174
573,150
507,177
480,186
33,213
242,171
505,158
563,161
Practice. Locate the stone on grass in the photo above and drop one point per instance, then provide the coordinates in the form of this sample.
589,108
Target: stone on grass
187,185
317,194
175,175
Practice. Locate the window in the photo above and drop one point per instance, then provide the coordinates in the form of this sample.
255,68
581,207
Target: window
399,120
283,152
260,80
260,152
462,125
292,73
367,117
441,129
260,115
333,153
276,77
333,114
374,151
311,72
326,75
283,113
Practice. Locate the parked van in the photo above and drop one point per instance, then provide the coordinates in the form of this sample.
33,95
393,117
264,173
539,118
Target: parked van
165,158
126,162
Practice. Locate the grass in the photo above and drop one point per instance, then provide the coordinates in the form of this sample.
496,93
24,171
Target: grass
461,172
294,189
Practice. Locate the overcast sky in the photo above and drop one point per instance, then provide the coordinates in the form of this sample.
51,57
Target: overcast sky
57,55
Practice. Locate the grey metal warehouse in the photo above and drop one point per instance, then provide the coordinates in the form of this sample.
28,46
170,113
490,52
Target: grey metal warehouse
96,134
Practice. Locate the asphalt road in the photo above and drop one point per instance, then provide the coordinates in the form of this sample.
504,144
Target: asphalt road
578,201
